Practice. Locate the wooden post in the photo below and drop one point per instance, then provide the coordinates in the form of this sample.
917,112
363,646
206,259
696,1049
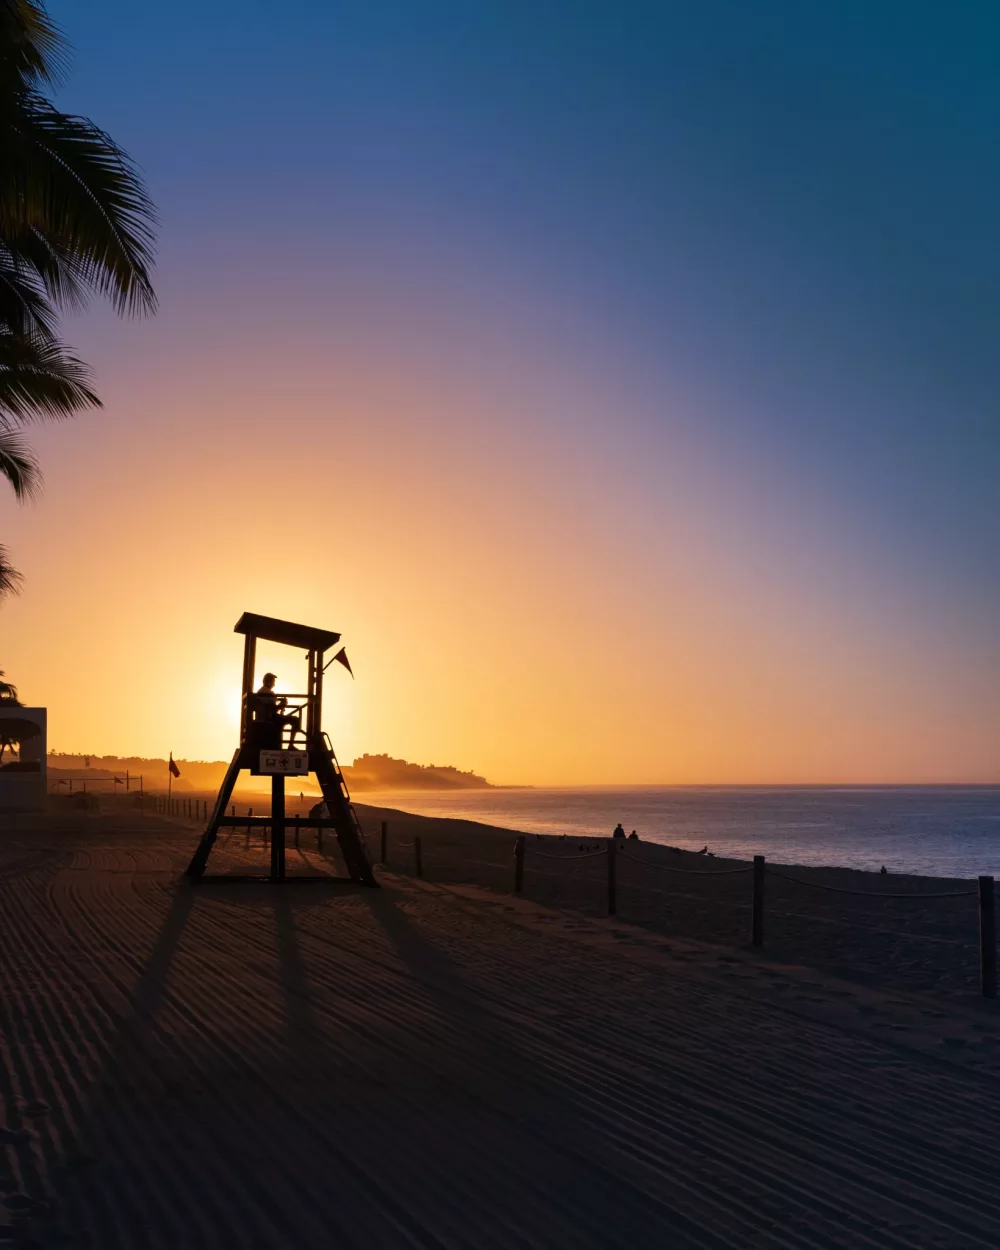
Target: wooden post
612,879
234,809
519,865
298,818
384,859
249,813
757,910
987,937
277,827
418,859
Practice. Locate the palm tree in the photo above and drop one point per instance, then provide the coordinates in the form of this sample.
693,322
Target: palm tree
10,578
8,692
75,220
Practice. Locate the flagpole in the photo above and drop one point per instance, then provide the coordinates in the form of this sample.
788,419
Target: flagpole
170,778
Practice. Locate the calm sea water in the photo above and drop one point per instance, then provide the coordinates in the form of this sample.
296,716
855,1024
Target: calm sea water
946,831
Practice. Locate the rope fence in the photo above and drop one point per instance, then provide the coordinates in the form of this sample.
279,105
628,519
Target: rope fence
582,855
837,889
688,872
759,871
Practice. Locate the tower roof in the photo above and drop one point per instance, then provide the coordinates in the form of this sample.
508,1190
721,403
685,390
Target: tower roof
273,630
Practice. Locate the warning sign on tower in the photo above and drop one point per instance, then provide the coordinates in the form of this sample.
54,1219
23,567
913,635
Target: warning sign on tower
289,763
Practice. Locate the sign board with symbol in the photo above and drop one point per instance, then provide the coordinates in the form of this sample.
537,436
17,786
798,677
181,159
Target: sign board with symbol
288,763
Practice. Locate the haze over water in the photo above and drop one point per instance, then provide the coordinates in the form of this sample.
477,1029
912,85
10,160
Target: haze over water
938,831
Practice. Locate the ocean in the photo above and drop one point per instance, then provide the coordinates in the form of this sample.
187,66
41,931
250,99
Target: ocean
938,831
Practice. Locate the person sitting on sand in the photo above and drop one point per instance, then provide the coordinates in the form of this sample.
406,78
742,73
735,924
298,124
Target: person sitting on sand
633,836
619,831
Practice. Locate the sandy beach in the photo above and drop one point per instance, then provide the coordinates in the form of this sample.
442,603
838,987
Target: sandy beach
436,1065
923,943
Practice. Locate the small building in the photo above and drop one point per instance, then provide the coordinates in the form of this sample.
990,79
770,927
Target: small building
22,757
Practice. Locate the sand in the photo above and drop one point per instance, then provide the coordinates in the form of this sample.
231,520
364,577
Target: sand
435,1065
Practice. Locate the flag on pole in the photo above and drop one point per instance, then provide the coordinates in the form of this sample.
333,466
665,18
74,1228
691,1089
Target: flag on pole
342,657
172,766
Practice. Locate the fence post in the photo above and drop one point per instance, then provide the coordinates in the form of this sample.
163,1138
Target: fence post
384,860
519,865
418,859
249,813
612,879
297,820
757,912
987,937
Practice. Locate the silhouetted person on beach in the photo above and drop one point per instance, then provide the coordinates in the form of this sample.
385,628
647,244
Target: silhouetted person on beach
619,831
633,836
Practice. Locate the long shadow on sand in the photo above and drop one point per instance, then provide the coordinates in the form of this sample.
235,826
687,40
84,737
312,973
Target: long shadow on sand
304,1031
506,1087
99,1099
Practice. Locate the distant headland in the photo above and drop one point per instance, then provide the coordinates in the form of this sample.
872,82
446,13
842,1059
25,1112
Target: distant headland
382,772
368,772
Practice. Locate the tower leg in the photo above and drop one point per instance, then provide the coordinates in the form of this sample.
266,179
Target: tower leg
278,827
200,857
337,804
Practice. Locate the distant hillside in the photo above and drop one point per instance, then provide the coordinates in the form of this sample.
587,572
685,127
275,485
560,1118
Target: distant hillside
368,772
382,772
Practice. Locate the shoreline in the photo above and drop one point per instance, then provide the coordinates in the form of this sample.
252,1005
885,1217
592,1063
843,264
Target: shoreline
465,824
903,932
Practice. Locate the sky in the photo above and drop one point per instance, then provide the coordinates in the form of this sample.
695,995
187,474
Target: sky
620,379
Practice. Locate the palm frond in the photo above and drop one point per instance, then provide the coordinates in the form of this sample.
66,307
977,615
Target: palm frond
32,47
56,268
68,183
24,306
8,691
10,578
40,380
19,466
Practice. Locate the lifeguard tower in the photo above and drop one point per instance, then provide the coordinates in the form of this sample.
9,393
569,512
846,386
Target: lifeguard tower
291,744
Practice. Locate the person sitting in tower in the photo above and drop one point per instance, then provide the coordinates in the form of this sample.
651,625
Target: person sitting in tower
270,708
